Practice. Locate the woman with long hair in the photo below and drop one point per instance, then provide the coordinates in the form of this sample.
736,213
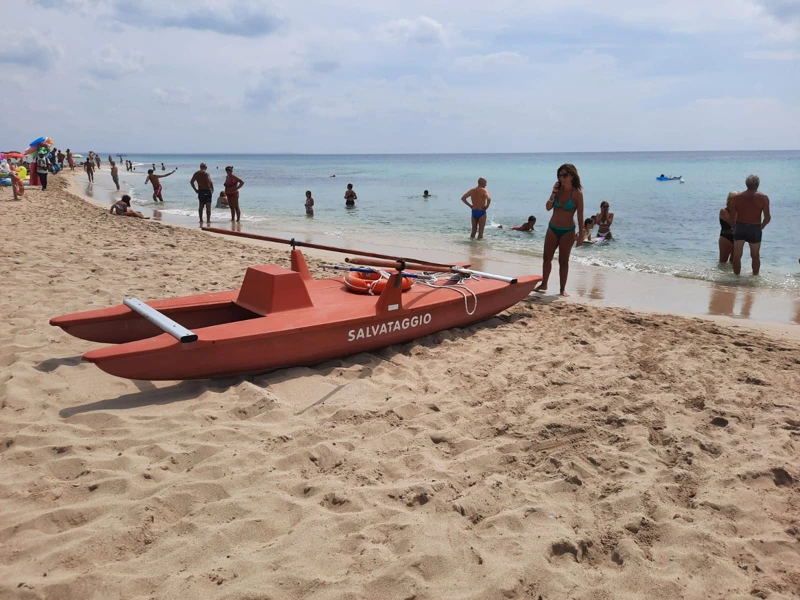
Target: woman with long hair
565,200
604,219
726,230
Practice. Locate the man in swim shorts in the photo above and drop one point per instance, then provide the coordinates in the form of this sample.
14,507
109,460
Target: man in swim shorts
746,213
204,188
480,204
115,174
155,180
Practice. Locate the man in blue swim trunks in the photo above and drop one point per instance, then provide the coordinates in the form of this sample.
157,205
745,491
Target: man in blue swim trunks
480,204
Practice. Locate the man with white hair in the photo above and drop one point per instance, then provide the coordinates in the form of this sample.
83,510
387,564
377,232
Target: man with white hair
747,209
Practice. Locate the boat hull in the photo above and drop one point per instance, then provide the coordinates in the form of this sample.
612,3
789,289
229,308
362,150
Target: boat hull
251,351
281,318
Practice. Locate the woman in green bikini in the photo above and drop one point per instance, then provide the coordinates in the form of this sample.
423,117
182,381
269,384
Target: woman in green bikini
565,201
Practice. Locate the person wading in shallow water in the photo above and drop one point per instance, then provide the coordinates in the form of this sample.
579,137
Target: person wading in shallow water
565,200
204,188
232,186
746,211
480,199
155,180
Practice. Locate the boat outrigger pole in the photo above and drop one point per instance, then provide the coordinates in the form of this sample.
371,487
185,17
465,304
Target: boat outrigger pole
293,242
163,322
400,265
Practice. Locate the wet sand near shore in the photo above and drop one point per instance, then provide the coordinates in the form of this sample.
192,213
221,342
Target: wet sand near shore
746,304
558,450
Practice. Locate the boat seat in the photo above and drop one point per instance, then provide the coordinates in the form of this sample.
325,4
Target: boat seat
270,289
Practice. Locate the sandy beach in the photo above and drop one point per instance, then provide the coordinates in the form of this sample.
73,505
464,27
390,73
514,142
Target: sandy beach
557,451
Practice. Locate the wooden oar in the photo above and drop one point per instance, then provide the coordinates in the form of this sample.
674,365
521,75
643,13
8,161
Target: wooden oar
294,242
393,264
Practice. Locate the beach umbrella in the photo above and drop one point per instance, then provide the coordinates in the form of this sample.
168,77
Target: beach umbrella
77,156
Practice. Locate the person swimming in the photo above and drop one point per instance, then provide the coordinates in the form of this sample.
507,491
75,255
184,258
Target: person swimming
526,226
425,194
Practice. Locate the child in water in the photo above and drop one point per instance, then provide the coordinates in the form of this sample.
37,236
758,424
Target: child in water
222,200
309,204
588,225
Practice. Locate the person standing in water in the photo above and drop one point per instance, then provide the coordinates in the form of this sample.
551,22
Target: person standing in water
746,211
88,166
309,204
565,200
115,174
480,201
204,188
155,181
232,186
603,220
726,230
350,196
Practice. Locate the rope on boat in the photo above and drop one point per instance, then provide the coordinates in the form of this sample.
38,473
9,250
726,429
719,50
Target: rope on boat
456,287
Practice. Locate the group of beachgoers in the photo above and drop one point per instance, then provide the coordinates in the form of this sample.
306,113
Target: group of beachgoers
742,221
203,186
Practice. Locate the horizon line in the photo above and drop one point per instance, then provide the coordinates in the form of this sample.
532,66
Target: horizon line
439,153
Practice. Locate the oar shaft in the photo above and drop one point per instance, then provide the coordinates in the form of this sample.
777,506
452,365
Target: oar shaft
393,264
267,238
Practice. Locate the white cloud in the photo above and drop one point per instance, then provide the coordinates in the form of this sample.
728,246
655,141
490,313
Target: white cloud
490,62
115,64
30,49
171,96
773,55
422,31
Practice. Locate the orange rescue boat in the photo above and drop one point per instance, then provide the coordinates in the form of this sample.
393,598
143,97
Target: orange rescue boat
281,318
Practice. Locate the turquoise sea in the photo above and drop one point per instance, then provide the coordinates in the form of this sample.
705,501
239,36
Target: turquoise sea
662,227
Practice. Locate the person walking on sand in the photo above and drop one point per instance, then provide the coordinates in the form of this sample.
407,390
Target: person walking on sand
747,209
350,196
232,186
726,230
565,200
480,201
115,174
98,161
42,169
155,181
204,188
88,166
70,160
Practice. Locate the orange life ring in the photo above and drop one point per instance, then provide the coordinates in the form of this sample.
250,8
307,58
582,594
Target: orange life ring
371,283
19,186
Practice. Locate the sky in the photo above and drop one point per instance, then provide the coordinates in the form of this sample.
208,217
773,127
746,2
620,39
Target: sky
348,77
